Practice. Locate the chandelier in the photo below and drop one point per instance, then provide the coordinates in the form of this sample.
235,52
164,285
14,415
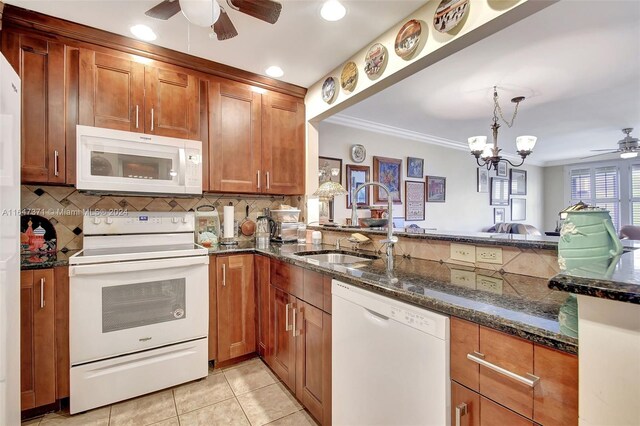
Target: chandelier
488,155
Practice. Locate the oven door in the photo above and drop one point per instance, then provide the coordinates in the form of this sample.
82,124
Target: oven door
125,307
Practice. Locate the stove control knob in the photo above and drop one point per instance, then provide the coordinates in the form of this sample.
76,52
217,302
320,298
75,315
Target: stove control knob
96,220
184,219
108,221
174,220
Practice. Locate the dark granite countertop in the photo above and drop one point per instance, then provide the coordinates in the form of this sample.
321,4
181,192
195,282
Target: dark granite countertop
619,279
45,260
482,238
516,304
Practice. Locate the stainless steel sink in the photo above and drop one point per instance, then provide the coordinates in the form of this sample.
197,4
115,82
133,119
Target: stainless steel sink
337,257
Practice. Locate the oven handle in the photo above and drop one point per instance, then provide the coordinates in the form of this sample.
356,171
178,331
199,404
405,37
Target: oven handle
145,265
183,166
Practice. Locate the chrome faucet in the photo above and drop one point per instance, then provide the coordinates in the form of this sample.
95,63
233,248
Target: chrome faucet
391,240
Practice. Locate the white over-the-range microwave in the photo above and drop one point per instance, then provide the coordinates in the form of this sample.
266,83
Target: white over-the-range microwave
116,161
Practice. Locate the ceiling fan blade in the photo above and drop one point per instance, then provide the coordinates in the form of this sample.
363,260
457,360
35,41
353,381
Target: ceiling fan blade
597,155
164,10
223,27
265,10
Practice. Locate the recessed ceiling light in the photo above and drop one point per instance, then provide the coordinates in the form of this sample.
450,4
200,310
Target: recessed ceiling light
333,10
143,32
274,71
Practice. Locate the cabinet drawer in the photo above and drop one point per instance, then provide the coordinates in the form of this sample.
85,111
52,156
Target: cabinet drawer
492,414
313,291
287,277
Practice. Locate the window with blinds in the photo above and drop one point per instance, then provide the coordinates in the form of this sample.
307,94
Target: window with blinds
635,194
600,187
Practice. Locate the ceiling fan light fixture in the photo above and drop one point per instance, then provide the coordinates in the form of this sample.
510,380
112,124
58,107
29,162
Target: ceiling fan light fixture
202,13
332,10
630,154
274,71
143,32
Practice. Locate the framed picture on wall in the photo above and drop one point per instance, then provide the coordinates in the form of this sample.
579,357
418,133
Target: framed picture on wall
436,189
499,195
498,216
356,176
518,209
414,206
502,169
518,180
415,167
483,179
387,171
329,169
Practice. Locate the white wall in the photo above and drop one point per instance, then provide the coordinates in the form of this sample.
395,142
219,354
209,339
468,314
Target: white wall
554,199
464,210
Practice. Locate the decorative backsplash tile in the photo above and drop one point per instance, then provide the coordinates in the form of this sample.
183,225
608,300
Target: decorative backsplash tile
65,207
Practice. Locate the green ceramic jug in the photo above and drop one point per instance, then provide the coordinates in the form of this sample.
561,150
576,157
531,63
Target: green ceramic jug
587,236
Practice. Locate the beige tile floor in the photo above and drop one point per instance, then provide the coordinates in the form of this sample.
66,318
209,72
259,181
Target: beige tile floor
244,394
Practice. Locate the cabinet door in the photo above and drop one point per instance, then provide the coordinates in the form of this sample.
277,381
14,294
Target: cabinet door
61,279
262,291
465,339
313,360
556,395
40,65
235,142
172,103
236,306
283,148
37,338
213,308
492,414
465,406
282,354
111,92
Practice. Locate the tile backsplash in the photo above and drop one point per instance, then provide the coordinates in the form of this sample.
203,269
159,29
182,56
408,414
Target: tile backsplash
64,207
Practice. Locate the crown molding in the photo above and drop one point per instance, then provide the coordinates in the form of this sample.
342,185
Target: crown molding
371,126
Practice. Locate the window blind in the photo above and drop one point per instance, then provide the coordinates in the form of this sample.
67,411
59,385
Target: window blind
600,187
580,185
635,194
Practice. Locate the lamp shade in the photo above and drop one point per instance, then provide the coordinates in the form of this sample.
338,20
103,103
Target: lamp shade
202,13
525,143
330,189
487,151
477,143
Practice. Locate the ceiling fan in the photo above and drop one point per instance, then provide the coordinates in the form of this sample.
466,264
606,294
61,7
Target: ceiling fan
628,146
265,10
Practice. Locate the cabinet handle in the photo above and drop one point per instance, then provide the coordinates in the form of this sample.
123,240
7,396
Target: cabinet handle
530,381
137,116
56,168
286,317
258,179
268,181
224,275
461,410
152,119
295,332
42,293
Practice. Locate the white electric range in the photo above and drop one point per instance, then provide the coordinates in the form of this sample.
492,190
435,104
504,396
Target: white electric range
139,307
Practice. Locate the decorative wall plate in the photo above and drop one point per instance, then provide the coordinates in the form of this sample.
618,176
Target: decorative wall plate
328,89
358,153
375,61
349,76
408,39
449,14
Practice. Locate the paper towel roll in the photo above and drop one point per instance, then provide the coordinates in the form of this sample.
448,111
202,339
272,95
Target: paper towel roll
229,219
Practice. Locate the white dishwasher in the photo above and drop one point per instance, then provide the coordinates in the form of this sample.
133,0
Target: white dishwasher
390,361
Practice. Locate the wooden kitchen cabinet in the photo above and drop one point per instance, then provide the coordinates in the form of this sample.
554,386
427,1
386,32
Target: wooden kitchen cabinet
313,360
281,355
283,147
37,338
553,400
118,92
235,137
40,63
235,306
465,404
262,275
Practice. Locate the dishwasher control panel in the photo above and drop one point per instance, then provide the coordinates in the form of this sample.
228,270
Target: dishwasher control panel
414,319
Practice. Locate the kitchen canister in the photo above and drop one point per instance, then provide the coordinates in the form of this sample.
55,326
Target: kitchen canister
587,237
316,238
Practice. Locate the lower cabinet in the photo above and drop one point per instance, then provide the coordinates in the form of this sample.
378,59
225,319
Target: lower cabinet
235,294
262,272
470,409
299,346
37,338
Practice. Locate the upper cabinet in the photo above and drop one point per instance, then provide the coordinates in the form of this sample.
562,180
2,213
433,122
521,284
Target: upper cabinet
40,64
120,93
256,140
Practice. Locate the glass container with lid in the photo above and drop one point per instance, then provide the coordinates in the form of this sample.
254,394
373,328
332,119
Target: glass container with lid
207,225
